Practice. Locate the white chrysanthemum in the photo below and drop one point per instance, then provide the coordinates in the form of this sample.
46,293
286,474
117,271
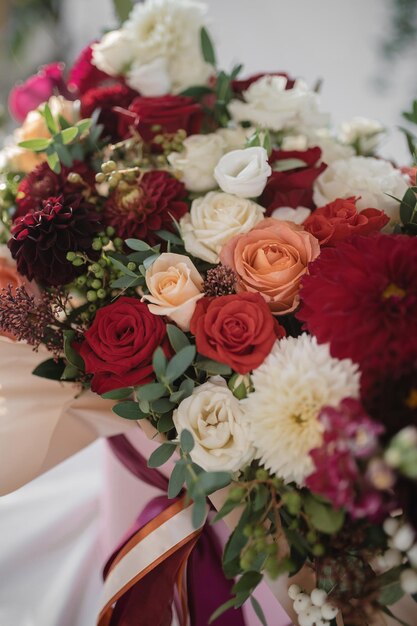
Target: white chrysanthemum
363,133
295,381
268,104
366,177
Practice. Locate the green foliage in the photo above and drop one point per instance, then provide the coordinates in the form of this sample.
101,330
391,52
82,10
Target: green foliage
118,394
207,47
389,585
161,454
322,515
129,410
411,138
122,9
51,369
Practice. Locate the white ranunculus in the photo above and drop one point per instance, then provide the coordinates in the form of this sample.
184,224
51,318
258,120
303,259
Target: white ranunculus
213,220
170,29
113,53
366,177
243,172
288,214
215,419
268,104
363,133
151,79
197,161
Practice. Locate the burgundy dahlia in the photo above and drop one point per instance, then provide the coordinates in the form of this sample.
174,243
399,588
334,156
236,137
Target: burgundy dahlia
40,240
147,205
361,297
105,99
42,183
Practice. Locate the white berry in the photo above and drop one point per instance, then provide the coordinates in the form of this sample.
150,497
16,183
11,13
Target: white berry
305,620
328,611
390,526
403,538
322,622
318,597
314,612
392,558
301,603
408,580
294,591
412,555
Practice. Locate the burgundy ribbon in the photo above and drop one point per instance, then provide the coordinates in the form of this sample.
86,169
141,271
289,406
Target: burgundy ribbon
206,584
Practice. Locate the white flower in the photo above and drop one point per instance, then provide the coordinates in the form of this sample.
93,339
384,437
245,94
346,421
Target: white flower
371,179
363,133
288,214
213,220
215,419
114,52
243,172
197,161
331,148
295,381
169,30
267,103
235,138
151,79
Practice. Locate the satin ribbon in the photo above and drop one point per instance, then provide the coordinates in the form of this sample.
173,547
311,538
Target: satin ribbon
143,573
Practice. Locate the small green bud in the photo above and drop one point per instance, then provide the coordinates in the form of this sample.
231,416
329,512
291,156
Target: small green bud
81,280
158,139
110,231
71,256
96,284
118,242
248,530
91,296
94,268
272,566
311,536
259,532
318,549
78,261
100,178
102,262
96,245
262,474
131,266
105,240
114,180
101,293
292,501
92,308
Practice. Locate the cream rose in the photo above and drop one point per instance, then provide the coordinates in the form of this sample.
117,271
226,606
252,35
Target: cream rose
197,161
151,79
213,220
243,172
174,287
114,52
288,214
215,419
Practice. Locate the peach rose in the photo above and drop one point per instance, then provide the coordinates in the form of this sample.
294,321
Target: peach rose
271,259
175,285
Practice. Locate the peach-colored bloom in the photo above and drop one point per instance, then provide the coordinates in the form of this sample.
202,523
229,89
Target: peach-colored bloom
271,259
175,285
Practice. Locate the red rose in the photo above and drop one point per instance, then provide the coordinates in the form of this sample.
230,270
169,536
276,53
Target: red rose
105,99
237,330
239,86
293,187
118,347
169,112
83,75
340,219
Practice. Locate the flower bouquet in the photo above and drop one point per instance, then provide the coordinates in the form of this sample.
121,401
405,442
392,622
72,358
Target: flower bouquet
208,256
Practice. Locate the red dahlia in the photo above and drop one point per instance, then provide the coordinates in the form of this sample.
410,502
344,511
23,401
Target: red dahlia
42,183
147,205
105,99
41,239
361,297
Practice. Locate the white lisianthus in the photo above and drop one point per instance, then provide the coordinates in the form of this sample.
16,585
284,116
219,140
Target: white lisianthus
235,138
288,214
366,177
197,161
363,133
215,419
213,220
114,53
151,79
169,30
268,104
243,172
296,380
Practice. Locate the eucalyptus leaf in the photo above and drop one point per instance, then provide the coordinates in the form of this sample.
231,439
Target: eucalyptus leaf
176,480
126,282
170,237
213,367
227,508
258,610
177,338
150,260
72,355
179,363
230,604
165,423
186,441
119,265
129,410
117,394
210,482
70,372
162,405
161,455
138,245
323,517
199,512
152,391
247,582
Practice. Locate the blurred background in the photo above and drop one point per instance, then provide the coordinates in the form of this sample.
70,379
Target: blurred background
364,52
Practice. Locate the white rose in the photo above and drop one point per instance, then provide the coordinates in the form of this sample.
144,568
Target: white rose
213,220
151,79
267,103
363,133
288,214
235,138
243,172
174,286
113,53
197,161
369,178
331,148
215,419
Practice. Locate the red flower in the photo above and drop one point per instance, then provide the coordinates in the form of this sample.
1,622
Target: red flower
84,75
169,112
42,183
105,99
146,205
118,347
239,86
361,296
294,187
340,219
237,330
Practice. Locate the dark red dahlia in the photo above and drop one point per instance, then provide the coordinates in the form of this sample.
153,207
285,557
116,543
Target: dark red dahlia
292,188
106,98
361,297
42,183
147,205
40,240
83,74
